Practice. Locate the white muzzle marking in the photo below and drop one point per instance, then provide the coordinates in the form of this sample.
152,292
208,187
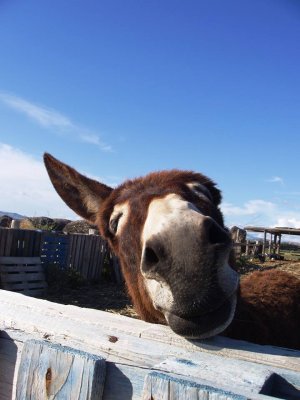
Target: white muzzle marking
178,222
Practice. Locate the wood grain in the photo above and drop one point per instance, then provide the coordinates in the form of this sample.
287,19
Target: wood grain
140,348
49,371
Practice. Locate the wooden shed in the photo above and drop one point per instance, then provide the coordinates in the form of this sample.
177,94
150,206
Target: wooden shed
275,235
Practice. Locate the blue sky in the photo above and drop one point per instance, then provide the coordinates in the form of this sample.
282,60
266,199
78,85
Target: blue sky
121,88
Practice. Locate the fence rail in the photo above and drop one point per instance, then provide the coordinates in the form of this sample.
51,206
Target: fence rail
85,254
138,360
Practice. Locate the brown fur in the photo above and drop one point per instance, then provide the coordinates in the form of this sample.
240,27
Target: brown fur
268,307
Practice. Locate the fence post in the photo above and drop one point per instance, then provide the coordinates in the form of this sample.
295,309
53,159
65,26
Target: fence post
53,371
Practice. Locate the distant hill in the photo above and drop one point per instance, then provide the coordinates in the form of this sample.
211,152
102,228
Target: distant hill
290,246
12,215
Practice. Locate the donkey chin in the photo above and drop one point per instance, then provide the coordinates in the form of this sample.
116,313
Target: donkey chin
197,314
206,325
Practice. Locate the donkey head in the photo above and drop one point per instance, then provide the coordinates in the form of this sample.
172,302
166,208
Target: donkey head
168,232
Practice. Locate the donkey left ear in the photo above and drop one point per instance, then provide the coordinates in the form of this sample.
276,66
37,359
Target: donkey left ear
83,195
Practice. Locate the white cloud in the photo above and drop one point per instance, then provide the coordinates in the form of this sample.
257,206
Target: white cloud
95,139
276,179
288,221
49,118
40,114
262,213
251,207
26,188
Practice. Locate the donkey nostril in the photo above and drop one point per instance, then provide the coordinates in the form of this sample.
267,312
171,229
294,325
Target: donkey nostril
150,256
217,235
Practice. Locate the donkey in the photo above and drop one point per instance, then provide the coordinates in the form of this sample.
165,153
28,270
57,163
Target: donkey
168,231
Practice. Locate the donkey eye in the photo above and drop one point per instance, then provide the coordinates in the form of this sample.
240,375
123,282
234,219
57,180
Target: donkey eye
113,223
200,190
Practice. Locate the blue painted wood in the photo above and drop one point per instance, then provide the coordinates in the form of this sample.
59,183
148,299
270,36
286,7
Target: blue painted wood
50,371
161,386
243,376
54,250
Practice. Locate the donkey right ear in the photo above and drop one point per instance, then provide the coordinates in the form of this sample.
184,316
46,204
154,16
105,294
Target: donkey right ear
83,195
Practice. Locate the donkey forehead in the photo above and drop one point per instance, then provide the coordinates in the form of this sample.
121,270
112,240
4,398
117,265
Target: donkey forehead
140,198
159,184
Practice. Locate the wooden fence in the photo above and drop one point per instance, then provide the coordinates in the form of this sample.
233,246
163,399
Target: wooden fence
50,350
85,254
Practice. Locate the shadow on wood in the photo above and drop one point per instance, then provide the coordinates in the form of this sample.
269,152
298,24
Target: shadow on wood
8,366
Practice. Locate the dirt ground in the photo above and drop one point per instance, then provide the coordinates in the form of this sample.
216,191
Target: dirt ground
108,296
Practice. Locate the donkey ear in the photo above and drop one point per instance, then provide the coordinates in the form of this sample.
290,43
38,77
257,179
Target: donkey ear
83,195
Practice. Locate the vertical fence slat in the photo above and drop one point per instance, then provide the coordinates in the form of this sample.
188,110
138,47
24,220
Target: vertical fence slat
9,243
53,371
94,260
3,236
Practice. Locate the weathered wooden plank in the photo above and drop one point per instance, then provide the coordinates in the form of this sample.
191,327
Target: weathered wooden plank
27,251
10,354
24,274
3,236
18,285
9,242
85,253
123,382
224,373
24,286
92,267
20,260
137,342
81,266
21,276
20,250
33,238
86,258
161,386
15,243
69,256
15,269
98,257
75,252
53,371
121,377
39,237
78,253
54,249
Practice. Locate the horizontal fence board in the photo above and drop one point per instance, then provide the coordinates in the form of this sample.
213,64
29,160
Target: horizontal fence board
20,286
134,348
94,327
13,269
19,277
20,260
